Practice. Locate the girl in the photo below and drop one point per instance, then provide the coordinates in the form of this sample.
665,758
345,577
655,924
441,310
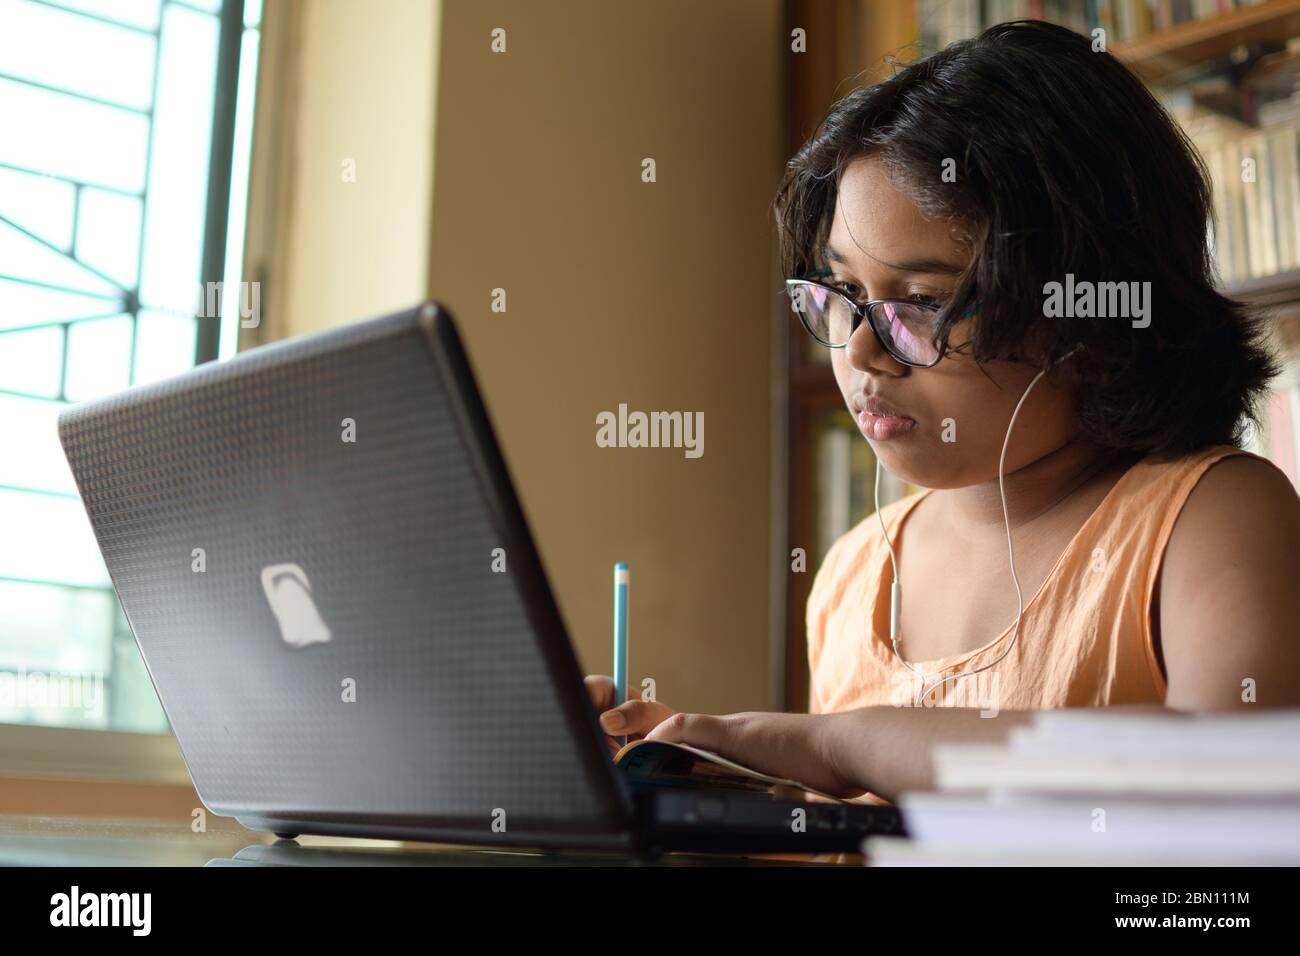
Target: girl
1092,535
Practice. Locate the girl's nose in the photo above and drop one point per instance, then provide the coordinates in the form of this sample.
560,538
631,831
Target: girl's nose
864,353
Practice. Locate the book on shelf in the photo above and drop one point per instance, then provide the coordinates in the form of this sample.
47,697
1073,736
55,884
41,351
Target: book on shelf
1255,183
945,21
1280,439
1255,190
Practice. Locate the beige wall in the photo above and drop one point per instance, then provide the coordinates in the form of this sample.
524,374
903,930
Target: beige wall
659,295
358,89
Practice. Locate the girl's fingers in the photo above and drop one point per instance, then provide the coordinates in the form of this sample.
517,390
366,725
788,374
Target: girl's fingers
634,717
601,690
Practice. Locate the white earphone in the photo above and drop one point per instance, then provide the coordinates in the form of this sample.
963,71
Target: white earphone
895,591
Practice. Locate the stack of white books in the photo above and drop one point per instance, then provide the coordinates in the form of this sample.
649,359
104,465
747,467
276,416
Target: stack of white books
1096,787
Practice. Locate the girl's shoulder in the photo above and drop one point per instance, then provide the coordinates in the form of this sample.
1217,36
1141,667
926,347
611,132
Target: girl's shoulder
1232,498
1160,492
1167,472
1226,594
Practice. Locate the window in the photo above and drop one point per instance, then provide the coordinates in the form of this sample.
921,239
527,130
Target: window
123,183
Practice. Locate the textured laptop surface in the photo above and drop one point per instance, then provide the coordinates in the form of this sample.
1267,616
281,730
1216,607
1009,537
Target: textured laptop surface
241,527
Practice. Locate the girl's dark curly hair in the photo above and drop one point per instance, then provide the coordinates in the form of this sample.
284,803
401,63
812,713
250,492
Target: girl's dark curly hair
1064,163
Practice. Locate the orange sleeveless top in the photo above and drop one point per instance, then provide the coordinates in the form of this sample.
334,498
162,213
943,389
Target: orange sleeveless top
1086,638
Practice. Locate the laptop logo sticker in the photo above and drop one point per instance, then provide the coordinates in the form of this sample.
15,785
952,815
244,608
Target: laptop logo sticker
289,593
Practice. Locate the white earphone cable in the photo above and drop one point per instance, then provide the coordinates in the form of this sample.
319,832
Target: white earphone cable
895,610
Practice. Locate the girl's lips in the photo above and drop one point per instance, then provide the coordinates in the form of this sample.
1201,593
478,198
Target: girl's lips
884,427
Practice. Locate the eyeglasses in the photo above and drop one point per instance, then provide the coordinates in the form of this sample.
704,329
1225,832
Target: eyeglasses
906,330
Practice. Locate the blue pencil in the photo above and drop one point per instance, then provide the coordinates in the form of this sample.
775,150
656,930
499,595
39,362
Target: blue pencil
620,636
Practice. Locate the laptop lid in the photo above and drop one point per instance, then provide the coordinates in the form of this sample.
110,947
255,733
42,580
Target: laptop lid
336,594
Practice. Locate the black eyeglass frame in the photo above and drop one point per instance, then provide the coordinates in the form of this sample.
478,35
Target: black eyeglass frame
859,313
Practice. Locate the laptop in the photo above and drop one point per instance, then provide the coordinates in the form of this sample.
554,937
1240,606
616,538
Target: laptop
331,581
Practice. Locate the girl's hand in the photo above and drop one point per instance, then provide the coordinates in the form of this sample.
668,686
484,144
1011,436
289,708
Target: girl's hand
794,746
632,720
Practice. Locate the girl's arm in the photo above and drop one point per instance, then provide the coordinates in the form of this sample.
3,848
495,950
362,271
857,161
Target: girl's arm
1229,592
881,749
887,749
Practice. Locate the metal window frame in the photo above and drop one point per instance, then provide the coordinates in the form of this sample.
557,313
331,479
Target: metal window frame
33,750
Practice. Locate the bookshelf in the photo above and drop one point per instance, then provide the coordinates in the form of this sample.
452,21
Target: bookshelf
1163,54
1226,69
